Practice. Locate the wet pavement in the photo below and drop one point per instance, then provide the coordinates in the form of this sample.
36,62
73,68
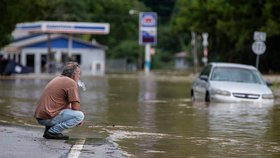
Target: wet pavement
23,141
138,116
27,142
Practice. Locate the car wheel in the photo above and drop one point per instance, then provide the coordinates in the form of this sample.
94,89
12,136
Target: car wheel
207,97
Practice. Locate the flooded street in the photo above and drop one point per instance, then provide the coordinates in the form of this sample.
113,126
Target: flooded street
138,116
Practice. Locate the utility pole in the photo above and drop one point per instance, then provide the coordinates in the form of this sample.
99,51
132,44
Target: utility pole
147,35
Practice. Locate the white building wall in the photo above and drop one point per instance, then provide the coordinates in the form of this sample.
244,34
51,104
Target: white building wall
5,54
94,62
37,63
90,59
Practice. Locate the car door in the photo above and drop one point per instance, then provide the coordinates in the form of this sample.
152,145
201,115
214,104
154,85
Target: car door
201,83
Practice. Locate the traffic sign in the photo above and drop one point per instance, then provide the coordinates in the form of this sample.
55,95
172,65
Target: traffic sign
205,52
259,36
258,47
205,41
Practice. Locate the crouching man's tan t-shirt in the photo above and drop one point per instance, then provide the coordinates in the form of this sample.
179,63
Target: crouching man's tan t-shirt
57,95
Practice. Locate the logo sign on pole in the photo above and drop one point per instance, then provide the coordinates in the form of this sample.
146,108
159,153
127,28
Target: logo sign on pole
147,28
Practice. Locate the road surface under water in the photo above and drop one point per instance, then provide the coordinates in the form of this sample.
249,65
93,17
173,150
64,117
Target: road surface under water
142,116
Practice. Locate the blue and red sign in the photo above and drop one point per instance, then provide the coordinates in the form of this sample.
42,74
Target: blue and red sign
147,28
148,19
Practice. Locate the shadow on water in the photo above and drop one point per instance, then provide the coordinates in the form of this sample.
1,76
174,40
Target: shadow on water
146,117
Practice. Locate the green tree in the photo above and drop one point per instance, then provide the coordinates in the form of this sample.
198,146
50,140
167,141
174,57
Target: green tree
272,27
123,26
230,25
15,11
127,49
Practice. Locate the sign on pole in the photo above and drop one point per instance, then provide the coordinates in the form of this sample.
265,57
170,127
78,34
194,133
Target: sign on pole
205,39
258,46
259,36
147,35
147,28
205,50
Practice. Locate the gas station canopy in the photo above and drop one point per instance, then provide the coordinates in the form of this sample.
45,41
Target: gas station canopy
63,27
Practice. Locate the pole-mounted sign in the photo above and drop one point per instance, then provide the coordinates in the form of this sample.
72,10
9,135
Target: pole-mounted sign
205,50
147,35
147,28
258,46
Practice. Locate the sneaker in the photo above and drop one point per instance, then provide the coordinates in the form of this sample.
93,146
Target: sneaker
47,128
58,136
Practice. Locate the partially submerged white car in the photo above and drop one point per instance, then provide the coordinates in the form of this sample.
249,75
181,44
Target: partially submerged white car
229,82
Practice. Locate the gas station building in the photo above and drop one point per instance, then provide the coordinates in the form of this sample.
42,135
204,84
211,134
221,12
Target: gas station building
34,43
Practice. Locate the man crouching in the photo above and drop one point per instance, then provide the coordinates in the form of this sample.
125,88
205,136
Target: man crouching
59,104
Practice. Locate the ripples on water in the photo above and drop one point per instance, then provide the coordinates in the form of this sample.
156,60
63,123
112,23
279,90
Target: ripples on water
145,117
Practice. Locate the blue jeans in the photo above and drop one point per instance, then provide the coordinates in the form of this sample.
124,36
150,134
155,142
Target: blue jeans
67,118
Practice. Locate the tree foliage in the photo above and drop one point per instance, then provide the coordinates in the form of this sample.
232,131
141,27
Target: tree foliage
231,25
16,11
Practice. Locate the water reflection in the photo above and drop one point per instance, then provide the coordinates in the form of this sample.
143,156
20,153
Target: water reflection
147,98
239,119
147,111
237,128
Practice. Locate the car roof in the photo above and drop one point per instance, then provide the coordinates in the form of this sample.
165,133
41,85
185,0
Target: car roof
224,64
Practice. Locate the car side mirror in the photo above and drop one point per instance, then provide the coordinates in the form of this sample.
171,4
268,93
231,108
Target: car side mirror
268,83
204,77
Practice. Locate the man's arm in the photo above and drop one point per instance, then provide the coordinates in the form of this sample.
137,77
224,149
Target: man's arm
75,106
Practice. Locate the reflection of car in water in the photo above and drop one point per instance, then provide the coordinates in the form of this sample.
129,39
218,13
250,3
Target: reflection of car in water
8,67
228,82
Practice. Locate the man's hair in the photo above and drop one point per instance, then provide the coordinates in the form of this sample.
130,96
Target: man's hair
69,68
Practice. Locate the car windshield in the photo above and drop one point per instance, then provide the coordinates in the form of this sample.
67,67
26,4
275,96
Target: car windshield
234,74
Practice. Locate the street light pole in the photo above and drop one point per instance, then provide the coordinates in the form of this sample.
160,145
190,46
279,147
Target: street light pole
139,62
132,12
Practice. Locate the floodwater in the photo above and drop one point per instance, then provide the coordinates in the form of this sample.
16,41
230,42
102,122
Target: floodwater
142,116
